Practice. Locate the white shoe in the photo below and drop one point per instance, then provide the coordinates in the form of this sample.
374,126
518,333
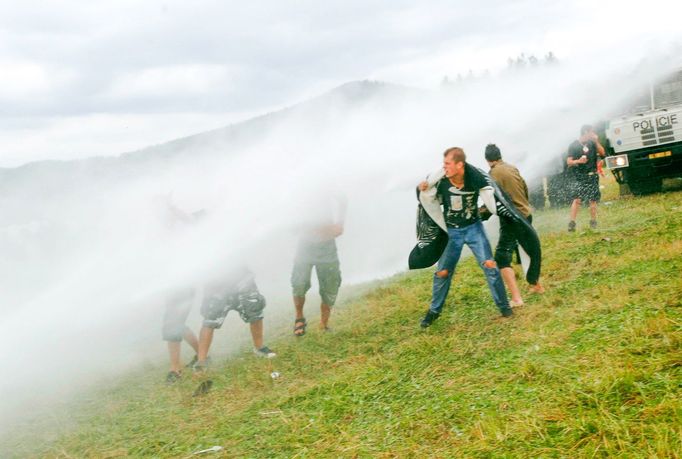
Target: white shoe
265,352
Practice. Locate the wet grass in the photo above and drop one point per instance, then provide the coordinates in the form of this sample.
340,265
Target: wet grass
590,369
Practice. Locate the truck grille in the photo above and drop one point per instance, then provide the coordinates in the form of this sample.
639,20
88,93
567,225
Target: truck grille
664,133
648,136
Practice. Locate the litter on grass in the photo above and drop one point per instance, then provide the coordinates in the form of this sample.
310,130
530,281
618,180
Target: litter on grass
212,449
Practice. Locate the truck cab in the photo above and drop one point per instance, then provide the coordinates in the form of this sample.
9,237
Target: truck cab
645,146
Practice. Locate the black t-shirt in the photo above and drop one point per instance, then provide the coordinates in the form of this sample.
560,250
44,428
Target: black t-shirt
460,206
576,150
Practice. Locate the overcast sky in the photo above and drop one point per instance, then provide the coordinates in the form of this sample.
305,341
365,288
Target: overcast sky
81,78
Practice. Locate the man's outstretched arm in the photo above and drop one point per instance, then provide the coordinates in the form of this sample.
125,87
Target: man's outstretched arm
431,180
487,195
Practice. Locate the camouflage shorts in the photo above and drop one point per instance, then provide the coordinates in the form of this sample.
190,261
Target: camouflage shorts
328,276
245,299
586,188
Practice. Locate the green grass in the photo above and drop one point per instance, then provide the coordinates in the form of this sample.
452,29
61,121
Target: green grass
590,369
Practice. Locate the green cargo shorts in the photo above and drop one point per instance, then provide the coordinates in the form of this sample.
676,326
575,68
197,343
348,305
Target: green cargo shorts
328,276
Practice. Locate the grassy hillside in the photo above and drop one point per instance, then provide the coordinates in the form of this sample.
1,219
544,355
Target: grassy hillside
590,369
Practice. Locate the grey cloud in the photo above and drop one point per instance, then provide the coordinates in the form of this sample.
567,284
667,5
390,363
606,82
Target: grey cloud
280,48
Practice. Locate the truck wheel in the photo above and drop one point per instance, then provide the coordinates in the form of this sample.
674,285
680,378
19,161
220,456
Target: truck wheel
645,186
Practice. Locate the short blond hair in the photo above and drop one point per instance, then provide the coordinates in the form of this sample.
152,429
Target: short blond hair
457,154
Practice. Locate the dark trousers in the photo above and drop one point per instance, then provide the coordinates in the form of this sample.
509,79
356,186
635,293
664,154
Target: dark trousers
507,245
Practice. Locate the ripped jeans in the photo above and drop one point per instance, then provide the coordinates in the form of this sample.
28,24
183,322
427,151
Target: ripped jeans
473,236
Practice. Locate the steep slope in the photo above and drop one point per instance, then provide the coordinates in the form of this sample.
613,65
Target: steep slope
590,368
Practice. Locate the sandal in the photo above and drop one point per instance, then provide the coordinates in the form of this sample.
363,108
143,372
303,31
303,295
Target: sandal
299,327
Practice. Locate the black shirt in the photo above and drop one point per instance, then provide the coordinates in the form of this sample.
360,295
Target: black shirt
460,206
576,150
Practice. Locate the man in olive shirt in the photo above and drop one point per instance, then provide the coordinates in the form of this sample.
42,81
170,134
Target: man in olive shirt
510,181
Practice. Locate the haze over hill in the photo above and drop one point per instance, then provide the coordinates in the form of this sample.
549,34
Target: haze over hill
312,119
318,112
590,368
87,258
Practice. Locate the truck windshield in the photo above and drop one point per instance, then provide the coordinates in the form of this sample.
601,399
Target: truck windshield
667,93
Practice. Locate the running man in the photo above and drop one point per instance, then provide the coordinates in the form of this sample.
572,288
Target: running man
510,181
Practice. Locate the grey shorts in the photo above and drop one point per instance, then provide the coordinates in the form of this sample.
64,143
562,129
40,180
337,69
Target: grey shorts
178,305
244,298
328,276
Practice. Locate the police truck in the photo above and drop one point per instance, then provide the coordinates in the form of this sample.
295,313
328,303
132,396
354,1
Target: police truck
645,146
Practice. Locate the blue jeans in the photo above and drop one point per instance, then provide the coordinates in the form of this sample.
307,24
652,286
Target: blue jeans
474,237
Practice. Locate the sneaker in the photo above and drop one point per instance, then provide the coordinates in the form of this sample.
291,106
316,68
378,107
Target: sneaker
593,224
265,352
192,362
515,304
571,226
172,377
429,318
507,312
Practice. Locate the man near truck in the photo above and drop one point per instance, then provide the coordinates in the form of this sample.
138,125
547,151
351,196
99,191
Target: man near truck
584,156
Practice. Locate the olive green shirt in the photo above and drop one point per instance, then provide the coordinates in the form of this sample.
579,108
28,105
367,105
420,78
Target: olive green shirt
509,179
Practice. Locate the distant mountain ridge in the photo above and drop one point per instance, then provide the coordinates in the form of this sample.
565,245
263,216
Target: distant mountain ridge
27,191
348,96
